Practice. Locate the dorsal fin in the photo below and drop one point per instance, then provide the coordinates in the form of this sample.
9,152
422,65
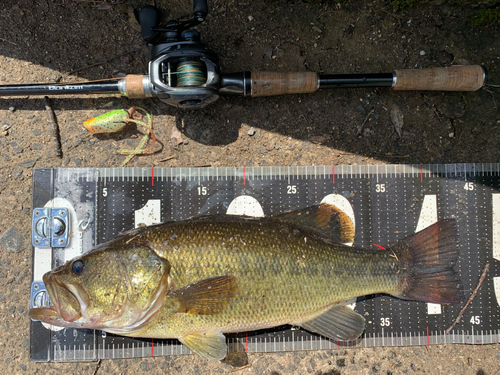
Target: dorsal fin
325,218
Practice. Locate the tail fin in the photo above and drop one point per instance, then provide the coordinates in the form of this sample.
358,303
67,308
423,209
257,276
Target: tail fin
427,259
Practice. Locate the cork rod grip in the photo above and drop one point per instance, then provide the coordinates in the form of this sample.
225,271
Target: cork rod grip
279,83
454,78
134,88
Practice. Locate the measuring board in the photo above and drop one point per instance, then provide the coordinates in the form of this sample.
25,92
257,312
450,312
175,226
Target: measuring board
387,202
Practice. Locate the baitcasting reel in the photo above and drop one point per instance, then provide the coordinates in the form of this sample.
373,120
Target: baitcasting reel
182,72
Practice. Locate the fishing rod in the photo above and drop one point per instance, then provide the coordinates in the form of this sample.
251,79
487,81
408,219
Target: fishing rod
184,73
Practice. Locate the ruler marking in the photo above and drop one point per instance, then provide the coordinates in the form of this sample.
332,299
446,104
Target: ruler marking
495,207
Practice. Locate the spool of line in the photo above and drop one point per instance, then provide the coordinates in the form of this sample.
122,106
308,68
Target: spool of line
190,73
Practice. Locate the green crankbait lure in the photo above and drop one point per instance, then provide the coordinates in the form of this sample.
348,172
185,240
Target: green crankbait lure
115,121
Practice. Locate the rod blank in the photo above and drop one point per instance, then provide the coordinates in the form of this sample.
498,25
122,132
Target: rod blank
110,86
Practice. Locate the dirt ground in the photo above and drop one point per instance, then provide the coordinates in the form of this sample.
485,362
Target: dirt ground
71,41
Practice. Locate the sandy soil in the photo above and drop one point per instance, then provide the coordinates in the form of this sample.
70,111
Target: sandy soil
71,41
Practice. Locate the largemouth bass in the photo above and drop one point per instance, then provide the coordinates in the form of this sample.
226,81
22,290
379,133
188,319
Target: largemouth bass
196,279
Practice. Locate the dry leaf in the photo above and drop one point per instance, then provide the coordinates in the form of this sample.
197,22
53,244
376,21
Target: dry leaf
176,137
104,6
397,119
268,51
319,139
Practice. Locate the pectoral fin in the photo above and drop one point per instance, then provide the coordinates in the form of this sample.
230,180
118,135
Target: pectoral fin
339,323
206,297
211,345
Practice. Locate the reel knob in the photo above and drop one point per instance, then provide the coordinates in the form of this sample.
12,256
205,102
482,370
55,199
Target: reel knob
148,17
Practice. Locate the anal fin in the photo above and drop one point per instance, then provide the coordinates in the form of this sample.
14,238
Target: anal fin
338,323
211,345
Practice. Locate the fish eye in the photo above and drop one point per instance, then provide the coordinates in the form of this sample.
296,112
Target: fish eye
77,267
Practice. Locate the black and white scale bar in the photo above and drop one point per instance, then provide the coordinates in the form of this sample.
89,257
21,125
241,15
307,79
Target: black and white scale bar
388,202
300,172
151,348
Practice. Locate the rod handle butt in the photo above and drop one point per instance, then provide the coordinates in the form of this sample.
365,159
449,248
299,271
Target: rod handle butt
454,78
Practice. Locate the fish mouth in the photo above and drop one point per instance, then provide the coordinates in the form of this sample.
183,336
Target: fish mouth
69,302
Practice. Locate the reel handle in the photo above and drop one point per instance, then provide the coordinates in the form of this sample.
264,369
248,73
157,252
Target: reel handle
454,78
